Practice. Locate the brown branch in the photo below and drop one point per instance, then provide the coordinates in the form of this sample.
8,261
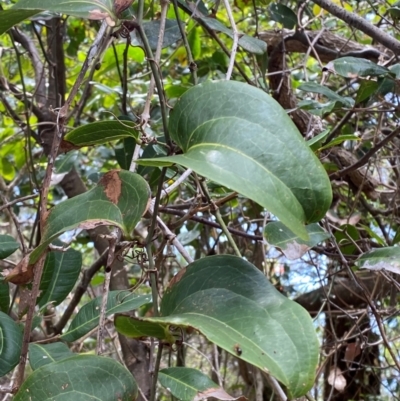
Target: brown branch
362,24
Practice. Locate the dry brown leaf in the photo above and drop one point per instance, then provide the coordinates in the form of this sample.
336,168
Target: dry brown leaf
22,273
112,185
218,393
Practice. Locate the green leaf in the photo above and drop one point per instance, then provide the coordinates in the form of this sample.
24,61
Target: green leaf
343,236
353,67
233,304
323,90
8,246
291,245
79,378
381,259
189,384
136,328
124,153
366,90
10,344
90,9
43,354
64,163
88,316
120,199
9,18
4,296
317,141
101,132
284,15
339,140
239,137
61,270
250,44
152,31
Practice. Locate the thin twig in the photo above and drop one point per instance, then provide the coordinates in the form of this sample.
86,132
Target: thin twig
235,40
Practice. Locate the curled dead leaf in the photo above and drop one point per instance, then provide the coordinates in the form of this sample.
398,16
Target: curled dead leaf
22,273
121,5
218,393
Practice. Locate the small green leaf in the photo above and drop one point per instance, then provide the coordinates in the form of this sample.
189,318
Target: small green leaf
8,246
102,132
189,384
291,245
124,153
283,14
354,67
9,18
120,199
137,328
232,303
10,344
253,150
88,316
4,296
90,9
381,259
339,140
366,90
343,237
152,30
81,377
64,163
61,270
313,87
317,141
250,44
43,354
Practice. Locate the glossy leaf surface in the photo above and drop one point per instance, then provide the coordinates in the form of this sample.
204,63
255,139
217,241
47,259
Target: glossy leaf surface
381,259
101,132
82,377
238,136
232,303
9,18
88,316
120,199
10,344
291,245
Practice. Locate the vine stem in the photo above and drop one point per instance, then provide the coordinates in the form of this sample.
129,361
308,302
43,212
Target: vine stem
235,40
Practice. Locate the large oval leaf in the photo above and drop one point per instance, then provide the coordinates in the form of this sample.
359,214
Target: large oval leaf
10,344
88,316
82,377
238,136
232,303
120,199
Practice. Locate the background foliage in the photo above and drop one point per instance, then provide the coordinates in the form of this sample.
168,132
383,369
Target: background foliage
199,200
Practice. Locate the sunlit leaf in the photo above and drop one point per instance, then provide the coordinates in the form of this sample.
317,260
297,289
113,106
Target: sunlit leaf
381,259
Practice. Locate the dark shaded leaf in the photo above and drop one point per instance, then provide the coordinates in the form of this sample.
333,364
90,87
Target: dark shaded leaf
81,377
10,344
8,246
284,15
